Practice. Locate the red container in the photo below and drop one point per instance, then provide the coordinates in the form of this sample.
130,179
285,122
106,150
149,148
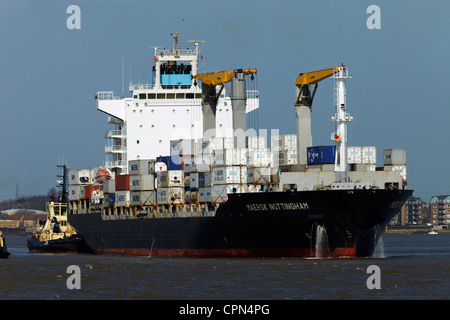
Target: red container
122,182
89,189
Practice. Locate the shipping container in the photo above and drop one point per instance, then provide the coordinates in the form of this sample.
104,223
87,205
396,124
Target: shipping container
286,157
369,155
243,174
81,177
204,179
109,186
221,143
202,147
394,157
160,166
122,198
202,163
256,143
143,198
74,192
143,182
111,199
219,193
284,142
171,196
171,178
194,180
259,158
354,155
224,175
258,175
141,166
321,154
400,168
204,194
172,162
122,182
86,191
182,147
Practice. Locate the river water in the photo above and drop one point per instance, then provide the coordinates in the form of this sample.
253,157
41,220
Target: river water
410,267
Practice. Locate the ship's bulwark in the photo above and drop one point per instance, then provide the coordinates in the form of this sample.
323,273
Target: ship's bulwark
273,224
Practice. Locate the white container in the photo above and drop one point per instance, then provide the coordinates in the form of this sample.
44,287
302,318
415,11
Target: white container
143,182
176,195
81,177
170,196
243,174
256,143
171,178
258,158
354,155
194,180
182,147
202,147
163,179
109,186
160,166
284,142
162,196
226,175
400,168
123,198
204,194
394,157
74,192
369,155
258,175
142,198
219,193
141,166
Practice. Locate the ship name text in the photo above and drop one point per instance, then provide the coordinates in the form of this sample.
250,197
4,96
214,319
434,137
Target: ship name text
277,206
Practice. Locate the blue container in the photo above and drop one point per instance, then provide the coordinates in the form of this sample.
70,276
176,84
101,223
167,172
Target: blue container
321,154
172,162
112,199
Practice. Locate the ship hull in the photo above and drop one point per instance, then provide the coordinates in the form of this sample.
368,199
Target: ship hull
58,246
276,224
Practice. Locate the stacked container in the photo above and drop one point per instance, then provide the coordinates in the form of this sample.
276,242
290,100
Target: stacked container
284,149
395,160
362,158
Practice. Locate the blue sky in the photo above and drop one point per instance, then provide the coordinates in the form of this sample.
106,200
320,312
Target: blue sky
398,94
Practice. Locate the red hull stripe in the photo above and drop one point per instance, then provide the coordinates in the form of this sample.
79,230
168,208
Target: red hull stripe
228,253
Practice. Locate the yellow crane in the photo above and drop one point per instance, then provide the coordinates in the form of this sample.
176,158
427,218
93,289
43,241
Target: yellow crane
304,82
220,77
238,97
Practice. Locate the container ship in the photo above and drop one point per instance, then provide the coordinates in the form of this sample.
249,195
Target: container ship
184,175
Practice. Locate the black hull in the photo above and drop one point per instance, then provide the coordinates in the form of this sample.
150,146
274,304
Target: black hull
74,244
4,254
275,224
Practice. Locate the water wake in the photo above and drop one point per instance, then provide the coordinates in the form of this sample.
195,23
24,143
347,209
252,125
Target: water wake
322,247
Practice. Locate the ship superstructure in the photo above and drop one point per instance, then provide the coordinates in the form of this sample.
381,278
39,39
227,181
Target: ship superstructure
184,176
168,108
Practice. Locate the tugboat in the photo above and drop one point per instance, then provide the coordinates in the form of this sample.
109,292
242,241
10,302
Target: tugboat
4,254
57,235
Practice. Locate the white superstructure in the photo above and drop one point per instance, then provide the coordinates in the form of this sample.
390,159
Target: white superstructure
169,108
